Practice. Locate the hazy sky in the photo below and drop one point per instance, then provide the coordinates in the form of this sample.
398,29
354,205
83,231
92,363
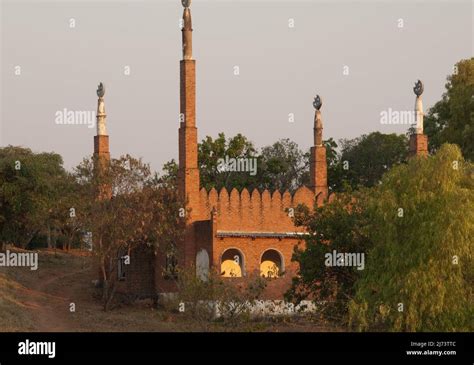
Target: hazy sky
281,68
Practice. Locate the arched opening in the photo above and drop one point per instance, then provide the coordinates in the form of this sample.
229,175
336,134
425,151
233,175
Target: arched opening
232,263
271,264
202,265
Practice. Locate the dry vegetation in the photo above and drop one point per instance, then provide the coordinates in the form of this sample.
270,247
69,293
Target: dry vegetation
39,301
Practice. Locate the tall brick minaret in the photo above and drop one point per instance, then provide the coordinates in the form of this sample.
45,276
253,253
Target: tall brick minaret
188,173
101,158
318,163
418,140
101,143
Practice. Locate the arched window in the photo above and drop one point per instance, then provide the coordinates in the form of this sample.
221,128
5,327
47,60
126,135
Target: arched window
232,263
271,264
202,265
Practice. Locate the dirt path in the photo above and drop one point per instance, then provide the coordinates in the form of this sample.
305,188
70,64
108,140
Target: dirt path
43,299
53,306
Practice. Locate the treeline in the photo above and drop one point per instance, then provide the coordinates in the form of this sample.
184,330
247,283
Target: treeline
33,187
43,204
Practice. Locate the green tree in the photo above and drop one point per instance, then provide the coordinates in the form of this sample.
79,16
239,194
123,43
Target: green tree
210,151
28,191
283,166
170,174
419,274
364,160
451,120
334,167
340,225
280,166
68,213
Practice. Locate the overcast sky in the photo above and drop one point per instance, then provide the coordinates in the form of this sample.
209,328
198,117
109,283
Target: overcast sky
386,46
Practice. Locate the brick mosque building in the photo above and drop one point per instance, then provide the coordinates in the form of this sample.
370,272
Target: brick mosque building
237,234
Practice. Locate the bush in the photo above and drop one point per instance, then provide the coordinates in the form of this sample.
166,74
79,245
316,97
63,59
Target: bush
215,298
420,274
417,230
342,226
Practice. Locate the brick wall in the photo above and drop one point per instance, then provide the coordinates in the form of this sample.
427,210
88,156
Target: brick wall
257,211
141,271
252,251
251,212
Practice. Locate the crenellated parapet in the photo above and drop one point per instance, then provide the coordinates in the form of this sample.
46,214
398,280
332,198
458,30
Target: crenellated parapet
254,211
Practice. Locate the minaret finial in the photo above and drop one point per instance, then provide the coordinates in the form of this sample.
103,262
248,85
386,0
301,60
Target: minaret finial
101,90
317,103
418,90
101,116
318,122
187,31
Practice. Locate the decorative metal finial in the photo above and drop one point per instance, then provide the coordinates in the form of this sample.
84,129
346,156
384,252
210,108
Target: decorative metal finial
418,89
186,3
101,90
317,103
